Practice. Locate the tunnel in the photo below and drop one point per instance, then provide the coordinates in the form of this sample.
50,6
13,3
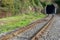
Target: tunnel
50,9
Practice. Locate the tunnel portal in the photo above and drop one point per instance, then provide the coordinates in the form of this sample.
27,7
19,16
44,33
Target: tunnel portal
50,9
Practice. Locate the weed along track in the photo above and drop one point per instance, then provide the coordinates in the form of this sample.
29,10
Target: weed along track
21,30
43,29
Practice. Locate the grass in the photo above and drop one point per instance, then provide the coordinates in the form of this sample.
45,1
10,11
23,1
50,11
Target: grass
11,23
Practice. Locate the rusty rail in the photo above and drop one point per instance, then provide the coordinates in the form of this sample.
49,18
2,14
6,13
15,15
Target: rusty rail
43,29
21,30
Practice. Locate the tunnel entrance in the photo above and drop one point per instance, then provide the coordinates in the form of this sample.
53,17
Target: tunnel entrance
50,9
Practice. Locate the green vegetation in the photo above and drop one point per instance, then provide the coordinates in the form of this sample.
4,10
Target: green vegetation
19,13
16,7
11,23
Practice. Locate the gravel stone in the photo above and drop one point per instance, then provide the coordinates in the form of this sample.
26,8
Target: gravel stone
28,34
54,31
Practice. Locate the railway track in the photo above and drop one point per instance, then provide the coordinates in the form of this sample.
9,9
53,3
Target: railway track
21,30
43,29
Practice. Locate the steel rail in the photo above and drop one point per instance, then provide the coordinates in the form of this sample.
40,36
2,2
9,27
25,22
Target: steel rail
43,29
21,30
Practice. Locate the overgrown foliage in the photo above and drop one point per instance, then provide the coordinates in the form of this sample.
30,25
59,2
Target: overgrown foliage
17,7
11,23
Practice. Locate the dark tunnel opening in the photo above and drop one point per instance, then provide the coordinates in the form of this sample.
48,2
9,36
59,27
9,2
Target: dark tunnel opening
50,9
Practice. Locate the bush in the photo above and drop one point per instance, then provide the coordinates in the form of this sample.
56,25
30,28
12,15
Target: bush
17,7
